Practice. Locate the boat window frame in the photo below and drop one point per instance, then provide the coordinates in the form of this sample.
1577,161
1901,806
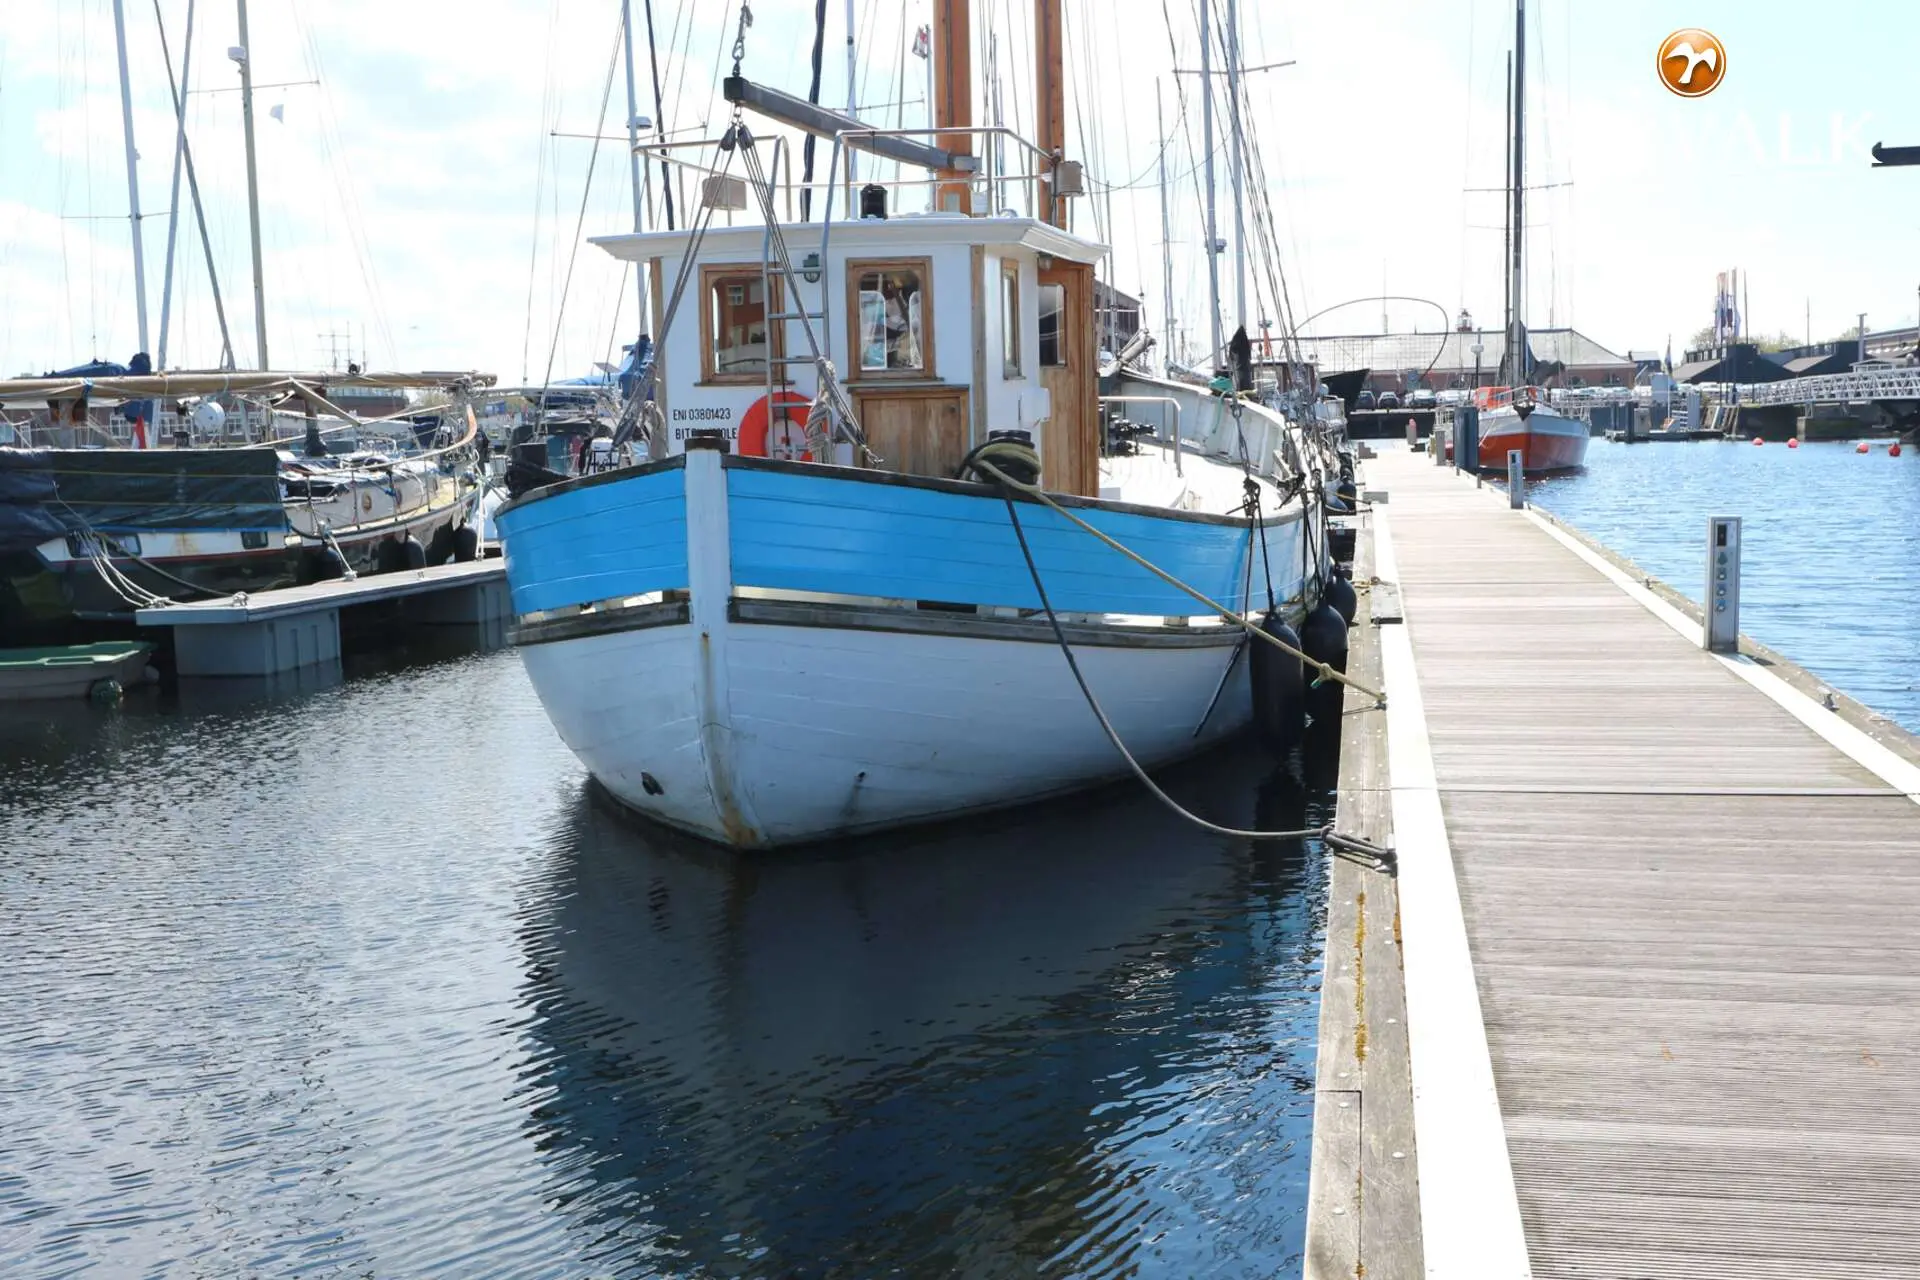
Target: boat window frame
857,267
711,375
1059,324
1012,366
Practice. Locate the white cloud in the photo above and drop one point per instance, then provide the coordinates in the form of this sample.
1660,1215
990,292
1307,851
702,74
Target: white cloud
400,195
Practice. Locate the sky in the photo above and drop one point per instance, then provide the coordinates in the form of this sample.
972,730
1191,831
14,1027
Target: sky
423,205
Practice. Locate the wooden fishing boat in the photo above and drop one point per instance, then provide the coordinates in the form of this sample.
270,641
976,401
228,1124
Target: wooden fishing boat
880,566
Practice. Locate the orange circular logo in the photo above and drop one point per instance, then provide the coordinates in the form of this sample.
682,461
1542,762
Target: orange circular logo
1692,62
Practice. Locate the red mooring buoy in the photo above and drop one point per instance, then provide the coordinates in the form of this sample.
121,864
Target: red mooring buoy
1893,451
1793,442
1862,447
1758,440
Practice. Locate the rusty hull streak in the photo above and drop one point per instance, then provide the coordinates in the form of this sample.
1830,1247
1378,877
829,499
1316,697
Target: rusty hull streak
716,734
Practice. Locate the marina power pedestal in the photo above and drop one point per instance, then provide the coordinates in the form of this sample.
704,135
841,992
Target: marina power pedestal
1722,632
1516,480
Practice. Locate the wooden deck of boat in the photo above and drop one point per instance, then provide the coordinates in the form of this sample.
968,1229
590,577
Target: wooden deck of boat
1691,921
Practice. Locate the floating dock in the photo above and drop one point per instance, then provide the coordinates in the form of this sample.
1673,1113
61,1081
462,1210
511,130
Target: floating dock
268,632
1655,926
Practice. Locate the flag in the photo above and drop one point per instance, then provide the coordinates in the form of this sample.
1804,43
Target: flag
923,42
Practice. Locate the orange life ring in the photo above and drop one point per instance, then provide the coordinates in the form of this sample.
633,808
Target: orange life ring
756,425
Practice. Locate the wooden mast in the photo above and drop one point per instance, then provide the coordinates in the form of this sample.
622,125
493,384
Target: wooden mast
1070,439
1051,96
953,101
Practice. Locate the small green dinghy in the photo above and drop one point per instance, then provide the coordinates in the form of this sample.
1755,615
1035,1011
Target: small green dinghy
69,671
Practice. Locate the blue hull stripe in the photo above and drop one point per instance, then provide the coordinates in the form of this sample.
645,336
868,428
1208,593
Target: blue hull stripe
823,533
602,542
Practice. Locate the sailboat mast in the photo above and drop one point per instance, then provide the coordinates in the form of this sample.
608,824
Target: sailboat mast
179,100
1166,240
633,163
853,97
1206,151
173,205
996,198
1506,223
1517,335
1050,103
1237,167
953,100
133,175
245,58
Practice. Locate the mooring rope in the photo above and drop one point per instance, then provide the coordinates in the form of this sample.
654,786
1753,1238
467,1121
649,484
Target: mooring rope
1325,671
1113,735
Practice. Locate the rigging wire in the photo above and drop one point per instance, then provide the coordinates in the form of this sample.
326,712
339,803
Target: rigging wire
549,119
1546,156
333,148
660,119
86,143
61,175
1466,142
593,157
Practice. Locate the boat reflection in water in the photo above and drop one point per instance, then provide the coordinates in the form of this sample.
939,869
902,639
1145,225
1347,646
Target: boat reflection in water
1072,1041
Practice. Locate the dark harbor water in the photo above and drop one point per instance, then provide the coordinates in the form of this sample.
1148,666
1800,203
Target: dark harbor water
1830,562
365,981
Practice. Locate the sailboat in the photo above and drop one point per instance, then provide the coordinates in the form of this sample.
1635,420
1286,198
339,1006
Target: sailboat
121,486
1520,418
880,566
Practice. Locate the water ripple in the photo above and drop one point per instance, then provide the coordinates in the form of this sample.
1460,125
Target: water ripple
369,981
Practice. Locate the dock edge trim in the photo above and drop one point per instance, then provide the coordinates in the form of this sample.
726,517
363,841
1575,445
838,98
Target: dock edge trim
1470,1223
1849,740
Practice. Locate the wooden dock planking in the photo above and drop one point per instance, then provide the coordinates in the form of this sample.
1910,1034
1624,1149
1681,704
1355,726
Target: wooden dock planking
1690,919
1363,1196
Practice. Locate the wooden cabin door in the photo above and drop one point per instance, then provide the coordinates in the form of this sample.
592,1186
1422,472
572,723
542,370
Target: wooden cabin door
1069,370
916,431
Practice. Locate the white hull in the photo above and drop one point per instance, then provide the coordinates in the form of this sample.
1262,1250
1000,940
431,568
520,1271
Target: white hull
758,734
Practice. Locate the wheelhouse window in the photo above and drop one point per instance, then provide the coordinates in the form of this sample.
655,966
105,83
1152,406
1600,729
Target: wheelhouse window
892,311
1009,319
1053,306
737,336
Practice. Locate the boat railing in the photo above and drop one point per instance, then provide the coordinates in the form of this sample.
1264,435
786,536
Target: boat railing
1485,398
990,182
1173,435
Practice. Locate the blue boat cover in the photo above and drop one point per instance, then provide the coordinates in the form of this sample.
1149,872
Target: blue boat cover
48,493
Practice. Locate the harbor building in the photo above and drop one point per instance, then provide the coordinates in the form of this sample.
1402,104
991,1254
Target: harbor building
1463,359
